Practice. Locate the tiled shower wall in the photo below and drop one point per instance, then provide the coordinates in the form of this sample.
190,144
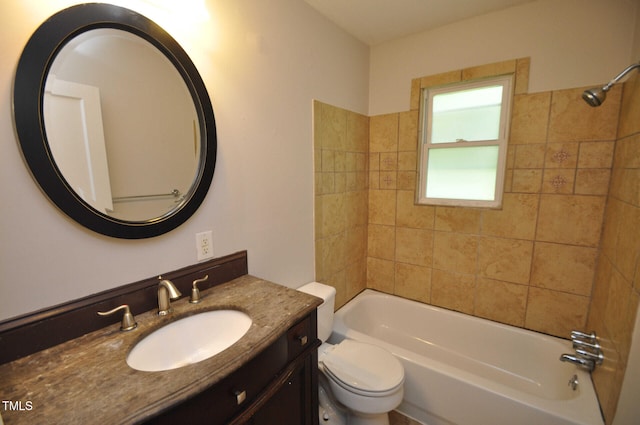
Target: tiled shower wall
341,142
616,294
531,263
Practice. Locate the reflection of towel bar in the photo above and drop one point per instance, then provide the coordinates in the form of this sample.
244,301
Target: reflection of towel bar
175,193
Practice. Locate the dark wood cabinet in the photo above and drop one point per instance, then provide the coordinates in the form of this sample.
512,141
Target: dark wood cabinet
278,386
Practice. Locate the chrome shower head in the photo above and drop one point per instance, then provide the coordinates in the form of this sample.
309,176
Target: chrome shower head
596,96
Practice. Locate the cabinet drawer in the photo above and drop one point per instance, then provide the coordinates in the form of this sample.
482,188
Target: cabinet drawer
302,335
233,394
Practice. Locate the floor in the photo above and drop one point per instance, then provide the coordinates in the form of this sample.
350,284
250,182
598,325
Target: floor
396,418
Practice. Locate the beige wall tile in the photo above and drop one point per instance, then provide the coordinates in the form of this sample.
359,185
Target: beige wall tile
356,207
388,161
413,282
381,241
415,94
564,268
406,180
596,155
516,219
333,254
319,259
333,214
339,281
526,181
327,160
331,129
357,136
592,181
441,79
356,278
522,76
411,215
414,246
530,118
457,252
454,291
374,180
380,275
573,120
408,131
501,301
489,70
627,152
407,161
622,305
388,179
382,207
574,220
561,155
356,244
628,240
383,133
558,180
339,158
455,219
555,313
529,156
630,110
507,260
374,161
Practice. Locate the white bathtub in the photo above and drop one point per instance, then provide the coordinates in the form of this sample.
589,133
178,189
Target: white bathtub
465,370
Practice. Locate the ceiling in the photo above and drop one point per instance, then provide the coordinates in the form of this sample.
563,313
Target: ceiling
377,21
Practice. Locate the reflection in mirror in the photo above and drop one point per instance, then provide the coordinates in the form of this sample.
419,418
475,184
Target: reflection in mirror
114,121
121,125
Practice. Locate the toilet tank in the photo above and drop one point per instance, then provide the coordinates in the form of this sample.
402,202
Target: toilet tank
325,310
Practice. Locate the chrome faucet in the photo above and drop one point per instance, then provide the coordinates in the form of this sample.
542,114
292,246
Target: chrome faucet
166,291
578,360
587,348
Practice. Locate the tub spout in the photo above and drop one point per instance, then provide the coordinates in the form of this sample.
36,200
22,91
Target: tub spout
577,360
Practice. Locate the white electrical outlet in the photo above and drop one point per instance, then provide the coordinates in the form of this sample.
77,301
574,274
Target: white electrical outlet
204,245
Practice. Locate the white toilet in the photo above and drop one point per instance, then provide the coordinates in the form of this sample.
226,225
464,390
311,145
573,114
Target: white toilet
366,379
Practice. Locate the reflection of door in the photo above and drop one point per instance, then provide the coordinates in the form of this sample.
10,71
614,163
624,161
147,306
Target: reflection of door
73,123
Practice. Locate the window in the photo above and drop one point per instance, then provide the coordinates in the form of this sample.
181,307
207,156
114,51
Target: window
464,130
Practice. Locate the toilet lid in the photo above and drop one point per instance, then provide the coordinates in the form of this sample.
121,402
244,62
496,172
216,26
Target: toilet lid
364,367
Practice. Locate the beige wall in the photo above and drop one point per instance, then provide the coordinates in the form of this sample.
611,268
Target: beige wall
566,47
263,63
616,293
341,140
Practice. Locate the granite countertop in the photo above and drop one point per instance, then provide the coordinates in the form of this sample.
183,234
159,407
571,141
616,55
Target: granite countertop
87,380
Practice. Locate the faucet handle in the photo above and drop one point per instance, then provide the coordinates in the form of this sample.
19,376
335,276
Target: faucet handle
582,335
128,321
195,292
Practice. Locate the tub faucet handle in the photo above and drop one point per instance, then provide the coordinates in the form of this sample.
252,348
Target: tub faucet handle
128,321
591,337
195,292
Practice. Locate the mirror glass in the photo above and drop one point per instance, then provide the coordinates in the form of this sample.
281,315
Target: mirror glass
121,125
124,138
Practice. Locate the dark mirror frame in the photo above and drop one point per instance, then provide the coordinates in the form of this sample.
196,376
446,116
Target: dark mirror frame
31,74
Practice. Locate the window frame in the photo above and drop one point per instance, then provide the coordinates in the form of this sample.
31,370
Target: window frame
425,145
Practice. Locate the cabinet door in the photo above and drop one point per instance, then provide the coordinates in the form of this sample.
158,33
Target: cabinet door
292,404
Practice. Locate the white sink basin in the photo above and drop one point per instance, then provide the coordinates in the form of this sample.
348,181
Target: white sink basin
189,340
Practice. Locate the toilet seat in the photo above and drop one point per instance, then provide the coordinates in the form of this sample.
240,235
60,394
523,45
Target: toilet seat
363,369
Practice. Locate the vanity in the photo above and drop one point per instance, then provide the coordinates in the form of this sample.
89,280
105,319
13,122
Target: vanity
269,376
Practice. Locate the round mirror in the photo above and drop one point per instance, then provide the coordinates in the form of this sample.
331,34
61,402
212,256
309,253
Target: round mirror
114,121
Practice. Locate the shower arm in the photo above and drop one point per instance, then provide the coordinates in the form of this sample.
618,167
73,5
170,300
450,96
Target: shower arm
622,74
